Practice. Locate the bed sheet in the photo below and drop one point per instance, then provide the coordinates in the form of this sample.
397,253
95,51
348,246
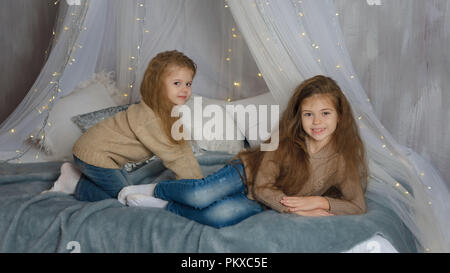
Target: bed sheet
54,222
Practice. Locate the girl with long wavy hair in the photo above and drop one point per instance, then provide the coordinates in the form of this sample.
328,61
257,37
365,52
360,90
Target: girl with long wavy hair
319,168
134,135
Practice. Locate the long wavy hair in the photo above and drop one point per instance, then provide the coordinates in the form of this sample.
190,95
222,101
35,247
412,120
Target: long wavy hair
153,91
292,152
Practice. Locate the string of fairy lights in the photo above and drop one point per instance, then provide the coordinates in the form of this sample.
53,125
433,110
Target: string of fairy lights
73,31
77,26
141,19
234,35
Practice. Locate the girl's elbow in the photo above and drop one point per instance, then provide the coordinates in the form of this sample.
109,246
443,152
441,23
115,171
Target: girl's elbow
358,209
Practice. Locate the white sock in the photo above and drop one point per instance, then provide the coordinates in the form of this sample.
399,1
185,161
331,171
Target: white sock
146,189
140,200
68,180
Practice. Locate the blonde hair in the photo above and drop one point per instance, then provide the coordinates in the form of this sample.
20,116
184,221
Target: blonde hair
153,91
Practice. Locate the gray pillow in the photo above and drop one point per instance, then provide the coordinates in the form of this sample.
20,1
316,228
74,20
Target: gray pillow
85,121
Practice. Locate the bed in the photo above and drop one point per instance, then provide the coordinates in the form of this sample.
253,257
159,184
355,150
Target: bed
55,222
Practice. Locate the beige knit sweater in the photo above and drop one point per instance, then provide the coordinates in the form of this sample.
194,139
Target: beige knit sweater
326,171
133,136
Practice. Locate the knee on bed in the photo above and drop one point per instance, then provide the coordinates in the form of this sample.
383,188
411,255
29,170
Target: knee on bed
199,198
229,211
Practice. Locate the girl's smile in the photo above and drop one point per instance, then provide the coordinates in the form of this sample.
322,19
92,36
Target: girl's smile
319,120
318,131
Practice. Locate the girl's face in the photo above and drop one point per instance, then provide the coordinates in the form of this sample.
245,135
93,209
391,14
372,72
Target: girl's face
177,83
319,119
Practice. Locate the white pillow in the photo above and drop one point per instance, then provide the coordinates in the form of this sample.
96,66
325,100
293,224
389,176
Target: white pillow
247,125
208,141
61,133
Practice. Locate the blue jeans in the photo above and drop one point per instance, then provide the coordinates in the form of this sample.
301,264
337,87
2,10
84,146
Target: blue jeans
97,183
217,200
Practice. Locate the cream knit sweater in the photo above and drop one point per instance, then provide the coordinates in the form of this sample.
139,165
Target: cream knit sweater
326,171
133,136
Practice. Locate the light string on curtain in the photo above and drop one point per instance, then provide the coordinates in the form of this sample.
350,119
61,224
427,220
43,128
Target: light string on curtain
236,84
75,28
135,59
52,42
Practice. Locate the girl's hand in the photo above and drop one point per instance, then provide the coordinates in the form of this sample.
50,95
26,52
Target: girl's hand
305,203
313,213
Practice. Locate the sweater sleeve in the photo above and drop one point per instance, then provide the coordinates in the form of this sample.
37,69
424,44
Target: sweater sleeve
177,157
352,201
264,190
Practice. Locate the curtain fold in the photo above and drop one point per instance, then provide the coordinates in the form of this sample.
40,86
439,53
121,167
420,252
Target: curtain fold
52,83
399,50
294,40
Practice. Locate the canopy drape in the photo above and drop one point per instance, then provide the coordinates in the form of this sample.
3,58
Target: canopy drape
242,48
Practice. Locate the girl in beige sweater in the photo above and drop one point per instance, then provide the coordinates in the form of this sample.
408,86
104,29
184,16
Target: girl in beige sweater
138,133
319,168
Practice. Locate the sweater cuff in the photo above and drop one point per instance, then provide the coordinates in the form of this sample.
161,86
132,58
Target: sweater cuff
272,203
279,207
342,207
335,206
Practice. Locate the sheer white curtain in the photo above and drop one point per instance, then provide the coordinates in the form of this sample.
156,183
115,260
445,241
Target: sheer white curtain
203,30
57,78
404,65
121,37
294,40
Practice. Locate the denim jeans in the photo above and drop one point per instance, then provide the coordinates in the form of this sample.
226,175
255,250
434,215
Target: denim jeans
97,183
217,200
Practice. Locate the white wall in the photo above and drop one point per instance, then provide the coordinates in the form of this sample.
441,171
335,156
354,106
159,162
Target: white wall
401,52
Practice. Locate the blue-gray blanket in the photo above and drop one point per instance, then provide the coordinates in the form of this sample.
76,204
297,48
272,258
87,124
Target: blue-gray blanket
55,222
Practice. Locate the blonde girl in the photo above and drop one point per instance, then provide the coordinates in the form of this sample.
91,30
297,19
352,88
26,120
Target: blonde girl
138,133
